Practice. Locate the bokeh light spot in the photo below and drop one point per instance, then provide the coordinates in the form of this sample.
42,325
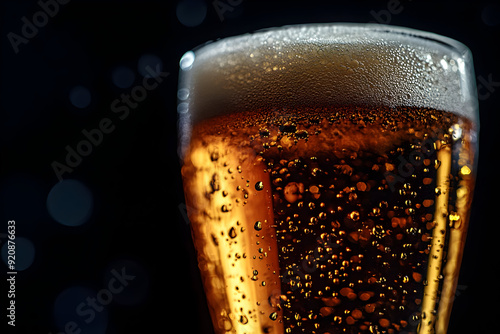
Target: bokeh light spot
80,97
78,307
70,203
149,65
137,288
191,13
24,253
123,77
491,15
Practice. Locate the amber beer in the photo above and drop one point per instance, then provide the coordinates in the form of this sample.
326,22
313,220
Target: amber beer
320,203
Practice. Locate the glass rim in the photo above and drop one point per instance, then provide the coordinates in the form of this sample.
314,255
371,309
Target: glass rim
351,27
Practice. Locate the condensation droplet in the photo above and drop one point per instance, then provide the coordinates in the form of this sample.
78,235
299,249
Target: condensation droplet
214,156
258,226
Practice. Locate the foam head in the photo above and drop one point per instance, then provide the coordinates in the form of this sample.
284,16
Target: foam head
326,64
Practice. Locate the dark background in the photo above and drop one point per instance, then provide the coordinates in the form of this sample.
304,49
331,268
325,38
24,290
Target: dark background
132,177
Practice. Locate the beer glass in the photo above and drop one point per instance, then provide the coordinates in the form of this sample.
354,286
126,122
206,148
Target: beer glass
328,172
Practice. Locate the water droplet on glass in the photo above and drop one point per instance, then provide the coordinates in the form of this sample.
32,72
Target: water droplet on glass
437,163
258,226
214,156
232,233
259,185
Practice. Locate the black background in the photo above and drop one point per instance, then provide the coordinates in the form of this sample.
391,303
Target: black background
134,174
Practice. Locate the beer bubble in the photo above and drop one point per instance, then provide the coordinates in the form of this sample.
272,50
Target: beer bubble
288,127
301,134
354,260
361,186
354,215
264,132
384,323
293,191
273,316
465,170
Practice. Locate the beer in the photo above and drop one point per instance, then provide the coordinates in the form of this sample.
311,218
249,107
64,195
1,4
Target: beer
328,172
329,219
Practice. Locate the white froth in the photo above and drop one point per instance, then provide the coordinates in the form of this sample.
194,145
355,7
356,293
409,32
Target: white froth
329,64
